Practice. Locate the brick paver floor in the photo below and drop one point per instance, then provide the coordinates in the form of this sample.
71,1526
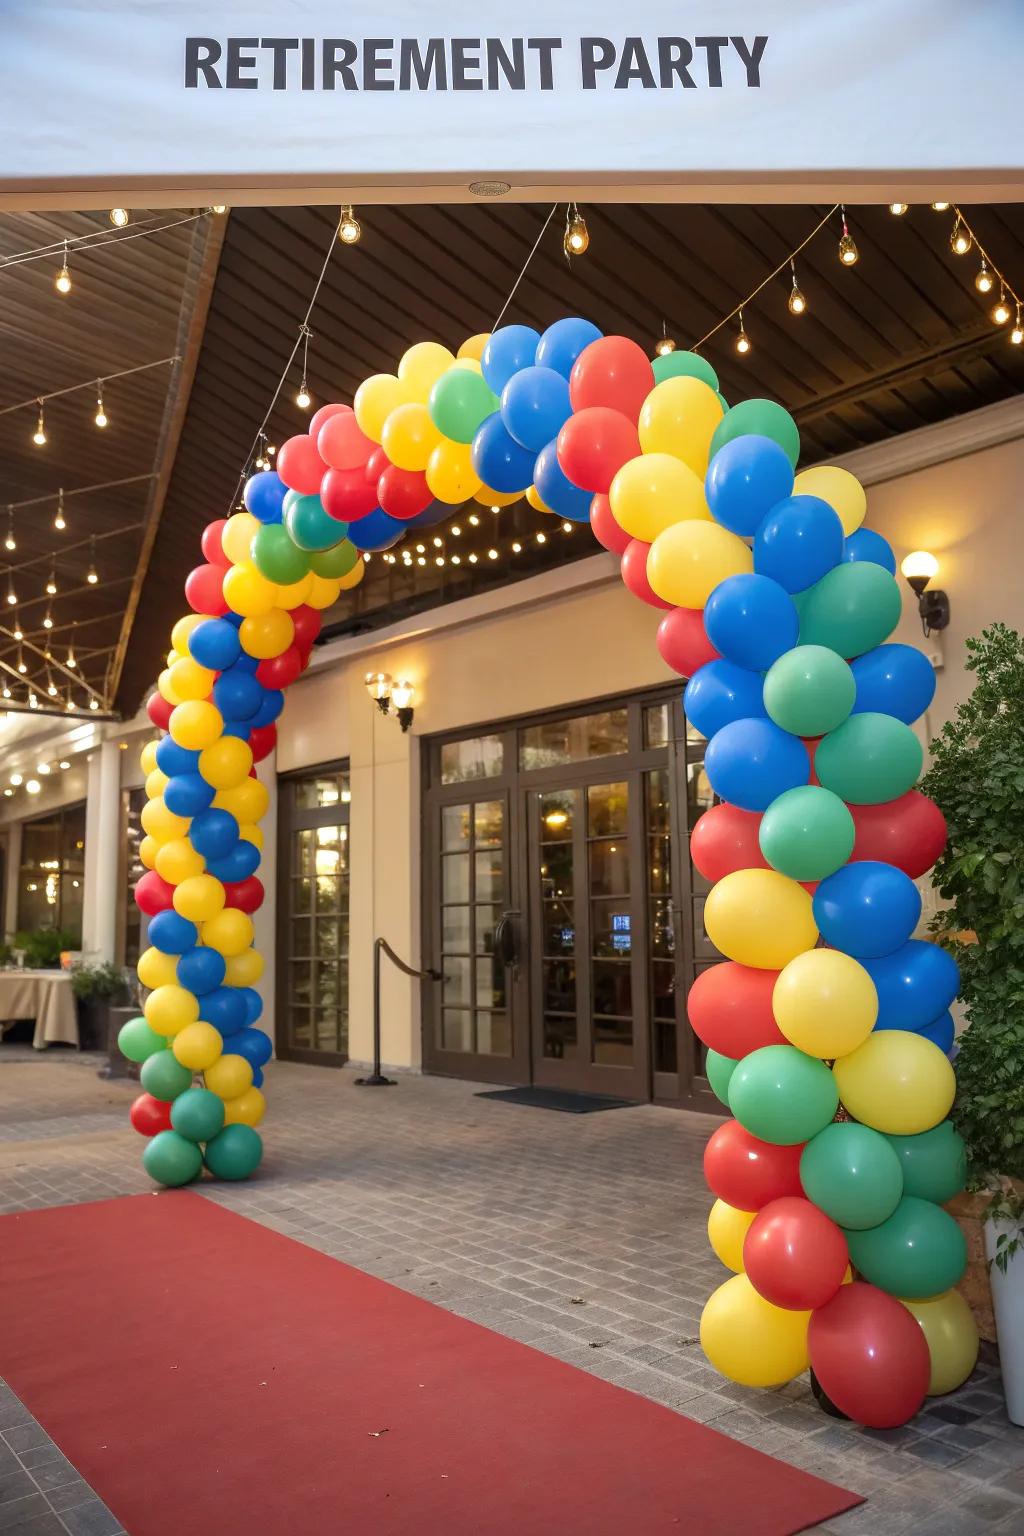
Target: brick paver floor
581,1235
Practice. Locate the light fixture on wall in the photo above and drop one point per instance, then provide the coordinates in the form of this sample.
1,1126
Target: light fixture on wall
385,692
919,567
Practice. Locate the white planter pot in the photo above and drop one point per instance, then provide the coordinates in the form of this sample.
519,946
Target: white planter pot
1008,1304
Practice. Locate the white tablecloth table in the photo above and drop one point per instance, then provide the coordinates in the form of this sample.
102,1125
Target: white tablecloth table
44,996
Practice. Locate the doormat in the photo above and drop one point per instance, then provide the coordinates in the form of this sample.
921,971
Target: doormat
558,1098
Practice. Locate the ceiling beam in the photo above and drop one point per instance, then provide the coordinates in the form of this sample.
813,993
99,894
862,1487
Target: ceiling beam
963,349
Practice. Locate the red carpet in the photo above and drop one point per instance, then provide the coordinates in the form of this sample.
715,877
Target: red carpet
212,1378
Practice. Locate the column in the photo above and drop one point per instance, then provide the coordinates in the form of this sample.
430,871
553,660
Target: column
103,852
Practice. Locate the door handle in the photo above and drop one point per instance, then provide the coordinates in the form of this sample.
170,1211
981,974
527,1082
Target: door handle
506,945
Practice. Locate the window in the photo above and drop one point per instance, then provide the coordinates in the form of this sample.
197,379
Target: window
554,742
53,871
312,976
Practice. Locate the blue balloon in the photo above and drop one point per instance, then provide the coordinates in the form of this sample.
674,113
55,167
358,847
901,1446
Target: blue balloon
171,933
215,644
507,349
867,909
914,984
751,620
253,1003
239,728
941,1031
273,703
719,693
257,1077
238,694
556,490
745,479
498,459
798,542
214,833
752,762
866,544
187,794
246,663
562,343
201,970
242,861
376,530
535,406
893,680
225,1009
172,759
264,496
254,1045
430,516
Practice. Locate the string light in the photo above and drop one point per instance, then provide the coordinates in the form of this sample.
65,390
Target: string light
984,281
48,620
62,282
492,554
1000,309
59,520
304,399
848,252
118,217
101,417
796,302
542,538
474,520
1017,334
350,231
219,209
742,339
517,548
33,784
940,207
437,542
10,543
17,631
567,527
70,660
898,209
51,688
39,435
960,239
94,704
51,585
21,662
665,343
577,236
12,596
92,576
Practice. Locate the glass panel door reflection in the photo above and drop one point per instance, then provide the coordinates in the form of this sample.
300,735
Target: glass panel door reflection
318,979
611,924
558,813
474,893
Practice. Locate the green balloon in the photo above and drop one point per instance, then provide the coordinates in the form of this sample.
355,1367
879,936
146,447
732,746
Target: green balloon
807,833
164,1076
852,1174
138,1042
684,365
311,528
719,1070
337,561
170,1159
275,555
235,1152
782,1096
916,1252
198,1114
934,1162
871,758
460,400
853,608
763,418
809,690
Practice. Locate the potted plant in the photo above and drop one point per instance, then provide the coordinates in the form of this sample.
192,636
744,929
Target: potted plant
98,989
977,779
42,946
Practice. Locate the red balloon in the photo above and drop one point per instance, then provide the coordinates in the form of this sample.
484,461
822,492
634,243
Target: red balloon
153,894
346,495
606,529
150,1116
594,444
403,493
634,572
343,444
247,895
159,711
307,622
730,1008
793,1255
324,413
376,464
682,641
204,590
211,544
262,740
748,1173
280,671
614,372
725,840
299,465
909,832
870,1356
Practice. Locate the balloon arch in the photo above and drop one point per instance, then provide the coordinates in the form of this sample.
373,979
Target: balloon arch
827,1026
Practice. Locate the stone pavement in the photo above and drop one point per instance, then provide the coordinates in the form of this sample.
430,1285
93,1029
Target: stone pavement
581,1235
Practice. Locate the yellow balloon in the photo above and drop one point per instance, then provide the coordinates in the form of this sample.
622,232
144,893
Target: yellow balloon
148,850
687,561
226,762
653,491
409,436
248,1109
199,898
679,417
183,629
374,401
229,931
951,1334
470,364
198,1046
147,757
170,1008
247,801
155,969
727,1227
843,492
750,1340
760,918
825,1003
196,724
896,1082
324,592
252,834
247,592
173,655
535,500
243,970
237,536
293,594
450,473
352,578
156,783
160,823
419,371
177,860
267,634
165,687
191,681
473,346
228,1077
491,498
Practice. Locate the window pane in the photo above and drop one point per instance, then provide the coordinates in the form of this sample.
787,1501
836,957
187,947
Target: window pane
302,937
574,741
455,825
300,987
560,1043
656,725
490,875
455,877
492,1034
556,813
305,852
609,867
613,1042
659,873
611,928
613,990
488,823
559,983
490,982
329,932
455,930
302,895
300,1028
328,893
558,933
486,920
325,790
657,802
456,1029
607,809
699,794
456,980
482,757
663,941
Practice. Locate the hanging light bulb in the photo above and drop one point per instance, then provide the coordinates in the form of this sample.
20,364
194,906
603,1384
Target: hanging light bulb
898,209
51,688
517,548
542,538
665,345
62,282
91,575
51,585
48,620
577,235
101,417
70,703
796,302
7,694
39,435
219,209
17,631
940,207
742,339
848,252
71,660
21,663
118,217
1017,334
33,784
1000,310
492,554
10,542
960,239
12,596
93,704
304,399
350,231
984,281
59,520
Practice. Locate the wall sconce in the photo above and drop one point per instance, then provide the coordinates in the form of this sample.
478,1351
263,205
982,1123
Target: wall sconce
919,567
385,692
